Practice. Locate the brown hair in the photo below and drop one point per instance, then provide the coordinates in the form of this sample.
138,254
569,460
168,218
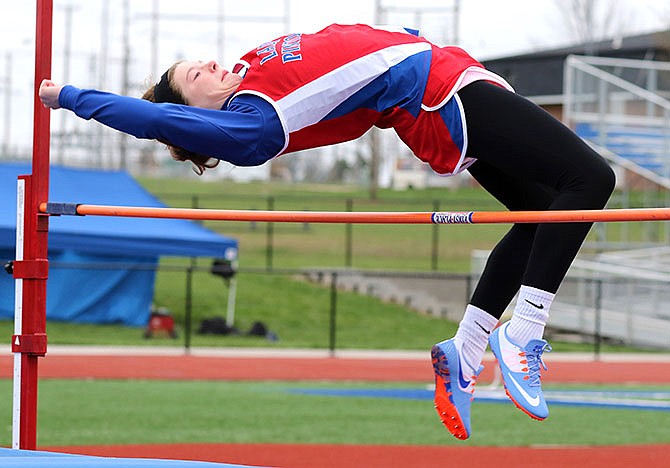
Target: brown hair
200,162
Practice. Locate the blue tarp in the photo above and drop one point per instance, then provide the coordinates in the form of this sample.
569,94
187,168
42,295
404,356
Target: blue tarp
103,294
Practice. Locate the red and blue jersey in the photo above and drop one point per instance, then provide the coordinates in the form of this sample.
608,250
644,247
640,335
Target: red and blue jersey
303,91
334,85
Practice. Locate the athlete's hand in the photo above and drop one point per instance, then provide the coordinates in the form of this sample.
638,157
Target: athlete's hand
49,92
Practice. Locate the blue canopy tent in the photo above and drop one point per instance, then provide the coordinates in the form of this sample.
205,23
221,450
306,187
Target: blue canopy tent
102,269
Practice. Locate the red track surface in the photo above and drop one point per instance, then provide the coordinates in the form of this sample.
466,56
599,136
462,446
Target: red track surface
377,456
171,367
380,369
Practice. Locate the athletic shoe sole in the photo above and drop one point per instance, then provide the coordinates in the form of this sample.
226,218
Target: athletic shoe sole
444,404
531,415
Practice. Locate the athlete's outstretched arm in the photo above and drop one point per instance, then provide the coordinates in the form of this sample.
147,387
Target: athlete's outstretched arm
248,133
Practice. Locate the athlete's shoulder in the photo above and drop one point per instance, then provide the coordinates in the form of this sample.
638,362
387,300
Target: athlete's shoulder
368,28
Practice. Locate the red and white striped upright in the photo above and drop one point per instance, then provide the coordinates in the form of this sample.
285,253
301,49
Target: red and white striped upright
31,264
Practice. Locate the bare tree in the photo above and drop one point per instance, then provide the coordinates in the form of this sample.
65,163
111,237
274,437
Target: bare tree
664,14
592,20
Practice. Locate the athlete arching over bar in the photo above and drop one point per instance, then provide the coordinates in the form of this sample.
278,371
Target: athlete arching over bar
307,90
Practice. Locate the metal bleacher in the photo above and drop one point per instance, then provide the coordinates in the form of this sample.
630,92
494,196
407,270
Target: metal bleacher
622,296
622,108
644,146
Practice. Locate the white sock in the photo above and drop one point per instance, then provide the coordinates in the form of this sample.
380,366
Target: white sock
530,315
472,335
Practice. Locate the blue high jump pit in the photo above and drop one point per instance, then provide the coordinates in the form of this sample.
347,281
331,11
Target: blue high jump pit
12,458
617,399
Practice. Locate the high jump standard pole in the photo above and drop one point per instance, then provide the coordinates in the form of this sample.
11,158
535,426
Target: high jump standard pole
31,266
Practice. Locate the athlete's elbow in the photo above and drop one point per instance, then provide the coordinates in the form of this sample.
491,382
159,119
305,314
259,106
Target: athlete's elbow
253,159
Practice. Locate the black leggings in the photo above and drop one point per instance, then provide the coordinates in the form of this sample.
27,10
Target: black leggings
529,161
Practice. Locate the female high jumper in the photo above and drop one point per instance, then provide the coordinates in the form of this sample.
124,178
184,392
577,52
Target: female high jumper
302,91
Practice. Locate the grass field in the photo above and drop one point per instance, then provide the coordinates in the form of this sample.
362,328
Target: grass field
394,247
373,246
297,311
90,412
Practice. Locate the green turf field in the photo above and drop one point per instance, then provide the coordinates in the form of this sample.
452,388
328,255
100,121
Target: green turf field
90,412
296,310
391,247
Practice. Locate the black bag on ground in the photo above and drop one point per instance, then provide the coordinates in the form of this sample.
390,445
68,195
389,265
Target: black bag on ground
216,326
258,329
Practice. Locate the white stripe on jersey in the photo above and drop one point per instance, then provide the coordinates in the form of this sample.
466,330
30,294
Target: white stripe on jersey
267,98
312,102
469,75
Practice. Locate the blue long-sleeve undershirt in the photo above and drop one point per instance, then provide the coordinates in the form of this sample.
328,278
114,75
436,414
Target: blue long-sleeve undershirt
247,133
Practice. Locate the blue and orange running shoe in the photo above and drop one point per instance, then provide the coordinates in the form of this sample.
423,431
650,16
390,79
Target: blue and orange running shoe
454,391
520,368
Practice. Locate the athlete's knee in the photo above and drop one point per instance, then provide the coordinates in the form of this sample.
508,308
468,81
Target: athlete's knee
590,186
602,182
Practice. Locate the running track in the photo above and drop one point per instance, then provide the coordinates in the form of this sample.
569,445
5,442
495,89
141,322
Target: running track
120,363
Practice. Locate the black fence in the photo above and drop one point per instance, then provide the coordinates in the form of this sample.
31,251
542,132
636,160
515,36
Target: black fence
272,203
332,280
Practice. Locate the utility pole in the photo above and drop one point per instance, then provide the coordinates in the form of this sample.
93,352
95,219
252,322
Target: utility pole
8,105
100,134
382,13
456,22
220,30
125,79
221,19
67,55
155,24
374,134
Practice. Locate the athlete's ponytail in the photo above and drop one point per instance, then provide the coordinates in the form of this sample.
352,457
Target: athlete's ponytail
168,92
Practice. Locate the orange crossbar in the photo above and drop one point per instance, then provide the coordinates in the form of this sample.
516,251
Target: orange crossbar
360,217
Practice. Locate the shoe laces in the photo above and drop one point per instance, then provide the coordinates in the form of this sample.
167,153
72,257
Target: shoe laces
534,358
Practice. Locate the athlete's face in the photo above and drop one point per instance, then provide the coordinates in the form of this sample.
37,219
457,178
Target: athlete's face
205,84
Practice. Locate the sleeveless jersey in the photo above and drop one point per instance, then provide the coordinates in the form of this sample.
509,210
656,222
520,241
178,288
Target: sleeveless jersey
332,86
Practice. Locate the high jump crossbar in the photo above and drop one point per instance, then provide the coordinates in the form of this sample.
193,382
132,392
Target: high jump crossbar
361,217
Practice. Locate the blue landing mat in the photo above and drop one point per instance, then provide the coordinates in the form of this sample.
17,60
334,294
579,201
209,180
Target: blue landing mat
10,458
